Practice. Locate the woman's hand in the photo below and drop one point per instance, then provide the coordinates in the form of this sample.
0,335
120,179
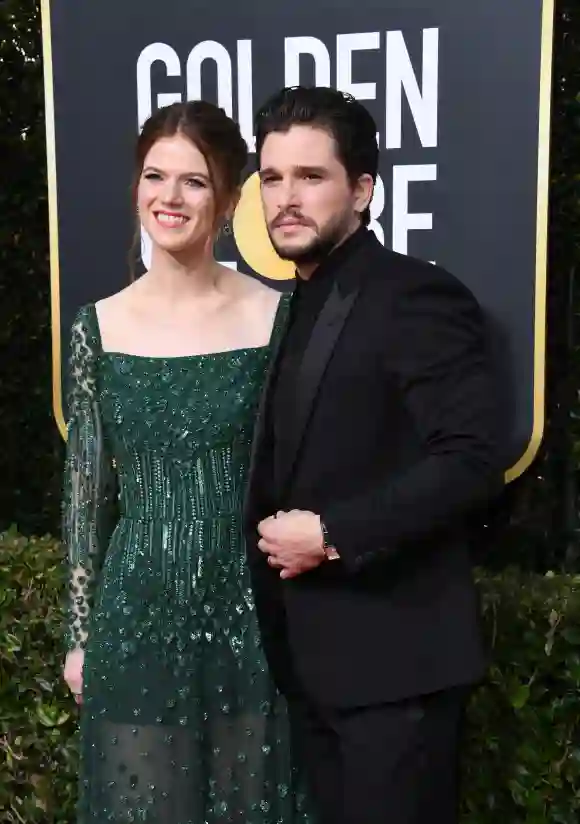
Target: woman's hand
73,673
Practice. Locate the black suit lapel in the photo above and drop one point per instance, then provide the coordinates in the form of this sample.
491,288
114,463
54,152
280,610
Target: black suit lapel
325,334
259,438
320,347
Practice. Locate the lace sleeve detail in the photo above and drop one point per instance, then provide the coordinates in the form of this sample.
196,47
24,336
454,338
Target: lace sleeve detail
89,483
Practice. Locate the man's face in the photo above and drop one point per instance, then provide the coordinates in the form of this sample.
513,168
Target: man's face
309,203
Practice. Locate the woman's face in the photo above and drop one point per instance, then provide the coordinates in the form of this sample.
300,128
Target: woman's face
175,196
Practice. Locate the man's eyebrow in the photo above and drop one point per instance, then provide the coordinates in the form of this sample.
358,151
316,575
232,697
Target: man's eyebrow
319,170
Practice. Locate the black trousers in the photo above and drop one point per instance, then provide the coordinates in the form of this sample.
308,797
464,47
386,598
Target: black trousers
387,764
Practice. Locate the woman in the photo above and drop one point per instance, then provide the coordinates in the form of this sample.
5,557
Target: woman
180,723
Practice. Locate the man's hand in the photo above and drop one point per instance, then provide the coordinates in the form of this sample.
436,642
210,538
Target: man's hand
293,542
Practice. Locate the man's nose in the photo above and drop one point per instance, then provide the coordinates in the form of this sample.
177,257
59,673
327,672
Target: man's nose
288,195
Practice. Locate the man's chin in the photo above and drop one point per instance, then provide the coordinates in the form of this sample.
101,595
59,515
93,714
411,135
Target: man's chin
296,252
288,253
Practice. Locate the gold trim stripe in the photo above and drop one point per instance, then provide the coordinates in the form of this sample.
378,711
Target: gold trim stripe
541,285
52,216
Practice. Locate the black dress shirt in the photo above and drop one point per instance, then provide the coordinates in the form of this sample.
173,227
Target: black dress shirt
307,302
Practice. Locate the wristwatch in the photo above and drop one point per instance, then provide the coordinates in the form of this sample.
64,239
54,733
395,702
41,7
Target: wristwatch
327,548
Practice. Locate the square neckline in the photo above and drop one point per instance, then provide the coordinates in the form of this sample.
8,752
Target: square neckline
112,354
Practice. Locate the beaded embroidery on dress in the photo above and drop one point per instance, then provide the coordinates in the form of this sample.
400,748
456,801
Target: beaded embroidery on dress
180,722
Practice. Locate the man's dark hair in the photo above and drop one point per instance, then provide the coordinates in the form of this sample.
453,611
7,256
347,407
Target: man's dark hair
344,118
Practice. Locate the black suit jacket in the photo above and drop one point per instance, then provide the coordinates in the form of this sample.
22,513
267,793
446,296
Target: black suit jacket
394,443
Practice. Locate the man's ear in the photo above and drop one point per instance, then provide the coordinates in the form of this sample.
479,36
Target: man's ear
363,191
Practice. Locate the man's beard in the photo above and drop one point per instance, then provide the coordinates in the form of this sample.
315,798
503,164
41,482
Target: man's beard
319,247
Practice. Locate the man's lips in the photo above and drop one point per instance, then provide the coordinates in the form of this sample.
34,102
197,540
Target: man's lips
289,222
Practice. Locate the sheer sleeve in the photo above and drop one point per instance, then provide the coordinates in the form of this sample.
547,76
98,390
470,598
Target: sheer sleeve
89,500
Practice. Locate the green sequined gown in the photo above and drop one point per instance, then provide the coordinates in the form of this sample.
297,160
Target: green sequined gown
180,722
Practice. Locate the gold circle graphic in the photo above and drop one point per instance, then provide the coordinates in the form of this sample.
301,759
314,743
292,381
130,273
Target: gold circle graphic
251,235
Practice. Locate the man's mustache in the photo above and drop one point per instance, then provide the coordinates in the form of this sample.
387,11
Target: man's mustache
279,219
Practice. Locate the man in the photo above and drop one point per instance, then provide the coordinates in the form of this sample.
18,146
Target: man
377,438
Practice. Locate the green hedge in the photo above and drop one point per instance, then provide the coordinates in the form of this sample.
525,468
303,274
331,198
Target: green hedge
37,717
522,760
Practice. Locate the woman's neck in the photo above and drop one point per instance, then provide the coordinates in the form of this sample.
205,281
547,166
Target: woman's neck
181,277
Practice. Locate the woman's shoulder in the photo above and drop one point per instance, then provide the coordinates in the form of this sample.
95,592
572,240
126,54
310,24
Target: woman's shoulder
117,301
262,295
86,326
115,310
262,305
87,313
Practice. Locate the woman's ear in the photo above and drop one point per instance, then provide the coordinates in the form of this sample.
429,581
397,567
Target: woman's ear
235,199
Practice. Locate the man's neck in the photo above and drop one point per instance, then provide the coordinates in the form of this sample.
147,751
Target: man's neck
306,270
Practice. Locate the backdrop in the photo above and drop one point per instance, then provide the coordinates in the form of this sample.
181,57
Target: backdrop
460,93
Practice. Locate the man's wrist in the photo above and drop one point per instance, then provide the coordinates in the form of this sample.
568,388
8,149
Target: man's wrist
330,552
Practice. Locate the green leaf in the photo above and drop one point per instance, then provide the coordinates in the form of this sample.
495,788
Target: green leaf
521,697
572,635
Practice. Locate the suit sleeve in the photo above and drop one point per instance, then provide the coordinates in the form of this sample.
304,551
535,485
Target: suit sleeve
436,347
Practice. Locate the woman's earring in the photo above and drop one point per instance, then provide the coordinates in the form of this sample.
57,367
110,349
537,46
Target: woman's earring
227,229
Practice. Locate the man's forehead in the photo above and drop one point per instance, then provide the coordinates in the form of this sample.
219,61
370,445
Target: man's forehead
301,144
301,132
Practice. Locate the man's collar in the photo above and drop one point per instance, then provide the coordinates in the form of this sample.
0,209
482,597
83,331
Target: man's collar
330,265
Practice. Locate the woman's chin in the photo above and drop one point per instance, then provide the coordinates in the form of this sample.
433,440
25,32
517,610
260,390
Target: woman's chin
180,246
